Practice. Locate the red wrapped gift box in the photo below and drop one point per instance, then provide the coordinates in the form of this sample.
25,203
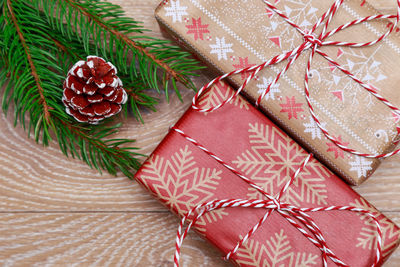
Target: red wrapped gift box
183,176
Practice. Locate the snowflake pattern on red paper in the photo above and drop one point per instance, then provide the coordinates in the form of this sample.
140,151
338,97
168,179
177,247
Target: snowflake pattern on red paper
335,149
278,252
197,29
367,238
291,107
243,63
218,93
271,161
178,181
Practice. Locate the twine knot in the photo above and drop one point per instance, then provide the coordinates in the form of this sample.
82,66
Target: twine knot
312,39
277,203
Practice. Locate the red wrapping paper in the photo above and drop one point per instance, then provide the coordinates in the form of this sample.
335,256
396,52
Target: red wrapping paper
182,176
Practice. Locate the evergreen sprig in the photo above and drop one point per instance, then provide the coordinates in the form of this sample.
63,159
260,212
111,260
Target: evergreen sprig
41,39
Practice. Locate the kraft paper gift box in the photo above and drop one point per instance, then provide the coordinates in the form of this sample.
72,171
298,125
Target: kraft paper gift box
230,35
182,176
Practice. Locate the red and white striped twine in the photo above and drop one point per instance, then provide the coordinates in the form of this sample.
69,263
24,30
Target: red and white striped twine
271,203
312,42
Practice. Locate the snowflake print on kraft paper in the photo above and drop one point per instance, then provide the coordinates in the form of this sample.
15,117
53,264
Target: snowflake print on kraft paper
181,184
291,107
361,165
197,29
264,86
332,147
368,236
221,48
363,65
278,251
302,13
176,11
272,159
243,63
313,129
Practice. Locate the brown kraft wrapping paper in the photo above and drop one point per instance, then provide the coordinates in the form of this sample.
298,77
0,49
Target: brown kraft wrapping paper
230,35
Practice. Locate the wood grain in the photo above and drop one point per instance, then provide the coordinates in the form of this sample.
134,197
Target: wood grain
56,211
97,239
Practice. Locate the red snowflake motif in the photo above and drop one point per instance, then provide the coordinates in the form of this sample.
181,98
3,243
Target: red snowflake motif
398,133
197,29
396,117
337,150
243,63
291,107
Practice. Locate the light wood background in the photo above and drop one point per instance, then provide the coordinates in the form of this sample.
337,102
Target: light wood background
56,211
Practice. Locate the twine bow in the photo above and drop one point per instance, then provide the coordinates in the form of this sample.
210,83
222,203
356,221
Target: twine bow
314,43
270,204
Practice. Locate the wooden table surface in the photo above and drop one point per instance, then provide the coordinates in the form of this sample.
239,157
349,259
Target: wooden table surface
56,211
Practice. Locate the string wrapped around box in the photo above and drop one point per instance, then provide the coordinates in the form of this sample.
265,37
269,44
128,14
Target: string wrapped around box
312,42
285,51
197,167
273,203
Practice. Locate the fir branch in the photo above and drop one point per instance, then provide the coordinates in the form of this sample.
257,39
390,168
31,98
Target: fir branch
128,41
39,42
29,57
95,151
138,98
64,49
105,31
32,87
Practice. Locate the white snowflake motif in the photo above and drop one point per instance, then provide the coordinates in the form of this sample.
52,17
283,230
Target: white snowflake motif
176,11
221,48
361,166
312,127
272,91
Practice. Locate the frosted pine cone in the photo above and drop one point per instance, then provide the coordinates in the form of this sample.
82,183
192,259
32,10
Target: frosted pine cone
93,91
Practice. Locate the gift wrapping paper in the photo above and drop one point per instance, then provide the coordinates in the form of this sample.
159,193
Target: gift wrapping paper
231,35
182,176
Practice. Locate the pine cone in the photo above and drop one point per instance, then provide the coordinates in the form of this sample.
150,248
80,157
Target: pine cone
93,91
